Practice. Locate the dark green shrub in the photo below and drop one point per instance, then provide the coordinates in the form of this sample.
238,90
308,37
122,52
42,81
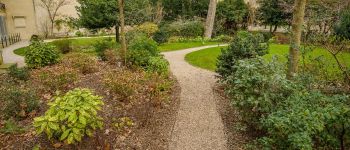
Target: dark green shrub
244,45
18,73
65,46
161,36
342,28
35,38
185,28
158,65
18,102
40,54
71,117
79,34
140,50
133,34
102,45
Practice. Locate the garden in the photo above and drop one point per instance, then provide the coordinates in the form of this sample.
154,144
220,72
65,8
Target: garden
178,74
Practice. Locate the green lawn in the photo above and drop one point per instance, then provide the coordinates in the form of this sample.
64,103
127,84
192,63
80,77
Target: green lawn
207,58
82,43
177,46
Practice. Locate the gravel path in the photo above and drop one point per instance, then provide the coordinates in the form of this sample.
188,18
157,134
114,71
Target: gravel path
198,125
10,57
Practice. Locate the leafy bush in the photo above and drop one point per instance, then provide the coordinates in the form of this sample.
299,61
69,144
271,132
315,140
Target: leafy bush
71,117
244,45
133,34
141,50
112,56
158,65
18,102
65,46
222,38
40,54
11,127
102,45
185,28
82,62
342,28
161,36
18,73
55,78
79,34
121,83
148,28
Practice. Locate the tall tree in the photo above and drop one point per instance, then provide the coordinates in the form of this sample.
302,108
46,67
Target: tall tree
122,30
273,13
52,7
97,14
209,24
233,15
297,26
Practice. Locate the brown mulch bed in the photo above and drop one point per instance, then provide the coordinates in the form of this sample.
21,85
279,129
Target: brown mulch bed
152,127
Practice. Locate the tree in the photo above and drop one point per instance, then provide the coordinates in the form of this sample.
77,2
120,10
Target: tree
232,14
185,9
297,25
122,33
342,28
97,14
273,13
209,24
52,7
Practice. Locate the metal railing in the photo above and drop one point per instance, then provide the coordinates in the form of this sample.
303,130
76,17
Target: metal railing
10,39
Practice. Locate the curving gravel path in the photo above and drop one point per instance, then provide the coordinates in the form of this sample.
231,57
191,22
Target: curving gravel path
198,125
10,57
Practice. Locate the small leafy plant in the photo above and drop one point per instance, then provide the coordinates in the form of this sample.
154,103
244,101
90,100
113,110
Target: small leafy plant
82,62
71,117
41,54
158,65
65,45
19,73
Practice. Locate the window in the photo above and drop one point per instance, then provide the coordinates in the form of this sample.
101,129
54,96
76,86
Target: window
19,21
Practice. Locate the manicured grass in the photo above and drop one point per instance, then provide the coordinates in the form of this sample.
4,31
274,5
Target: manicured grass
207,58
178,46
82,43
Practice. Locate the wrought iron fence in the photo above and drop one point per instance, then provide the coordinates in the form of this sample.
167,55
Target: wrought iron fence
10,39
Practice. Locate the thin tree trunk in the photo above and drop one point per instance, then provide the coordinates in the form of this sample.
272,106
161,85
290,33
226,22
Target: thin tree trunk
122,32
209,24
297,25
117,35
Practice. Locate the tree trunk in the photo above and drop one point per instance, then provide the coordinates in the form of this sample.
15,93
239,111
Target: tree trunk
275,29
122,32
52,26
297,25
209,24
117,35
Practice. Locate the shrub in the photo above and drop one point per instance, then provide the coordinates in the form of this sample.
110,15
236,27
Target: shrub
185,28
18,102
79,34
161,36
35,38
71,117
112,56
55,78
158,65
222,38
40,54
133,34
342,28
82,62
65,46
140,51
148,28
244,45
11,127
18,73
102,45
121,83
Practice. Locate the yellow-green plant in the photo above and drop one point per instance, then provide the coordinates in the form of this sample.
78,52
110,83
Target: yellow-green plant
71,117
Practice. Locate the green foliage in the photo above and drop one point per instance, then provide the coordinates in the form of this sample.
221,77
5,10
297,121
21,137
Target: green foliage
272,12
148,28
185,28
140,50
41,54
161,36
222,38
18,102
185,9
11,127
71,117
65,46
158,65
82,62
102,45
232,15
342,28
18,73
244,45
123,123
79,34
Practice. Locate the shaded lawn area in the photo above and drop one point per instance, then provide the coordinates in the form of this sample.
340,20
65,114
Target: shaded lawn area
80,43
206,58
178,46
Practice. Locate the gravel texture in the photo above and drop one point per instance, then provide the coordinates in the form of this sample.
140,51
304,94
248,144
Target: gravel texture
198,124
10,57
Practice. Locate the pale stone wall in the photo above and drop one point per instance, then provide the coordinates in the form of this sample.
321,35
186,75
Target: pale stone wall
20,17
